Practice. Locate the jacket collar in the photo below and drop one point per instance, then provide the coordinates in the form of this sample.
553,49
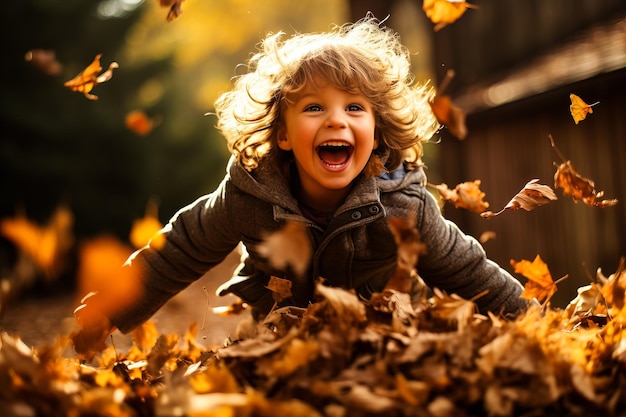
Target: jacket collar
270,183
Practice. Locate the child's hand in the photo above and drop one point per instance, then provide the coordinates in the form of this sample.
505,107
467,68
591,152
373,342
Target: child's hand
95,327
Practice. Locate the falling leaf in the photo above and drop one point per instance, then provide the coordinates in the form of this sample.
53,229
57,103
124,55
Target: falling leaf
579,109
288,248
466,195
85,81
445,12
280,288
530,197
47,245
45,60
486,236
540,284
446,112
578,187
409,247
175,8
146,230
138,122
100,271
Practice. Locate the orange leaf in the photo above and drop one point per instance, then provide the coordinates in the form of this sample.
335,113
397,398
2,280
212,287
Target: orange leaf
540,284
579,109
579,188
100,270
138,122
531,196
85,81
145,230
445,12
47,245
146,335
452,117
446,113
465,195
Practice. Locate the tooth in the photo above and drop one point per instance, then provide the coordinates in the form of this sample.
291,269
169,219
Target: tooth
335,143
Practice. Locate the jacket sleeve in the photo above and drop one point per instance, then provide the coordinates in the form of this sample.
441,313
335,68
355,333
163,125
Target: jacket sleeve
197,238
456,263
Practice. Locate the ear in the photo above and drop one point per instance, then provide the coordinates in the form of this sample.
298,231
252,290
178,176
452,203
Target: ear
281,139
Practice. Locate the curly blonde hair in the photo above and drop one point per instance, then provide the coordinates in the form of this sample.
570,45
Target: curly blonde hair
363,57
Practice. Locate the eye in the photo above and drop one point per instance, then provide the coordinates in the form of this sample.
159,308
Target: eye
313,107
355,107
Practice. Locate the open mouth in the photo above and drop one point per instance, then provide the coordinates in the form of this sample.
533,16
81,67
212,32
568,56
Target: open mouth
335,153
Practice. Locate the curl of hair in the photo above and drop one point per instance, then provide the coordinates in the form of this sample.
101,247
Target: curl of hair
364,57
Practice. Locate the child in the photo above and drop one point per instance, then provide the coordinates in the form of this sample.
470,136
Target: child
325,129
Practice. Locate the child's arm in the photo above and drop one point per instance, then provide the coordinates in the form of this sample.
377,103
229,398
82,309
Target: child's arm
457,263
198,237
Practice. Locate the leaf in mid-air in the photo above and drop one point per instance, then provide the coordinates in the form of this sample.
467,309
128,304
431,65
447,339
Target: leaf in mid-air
446,113
579,109
445,12
89,78
465,195
540,284
146,230
175,8
531,196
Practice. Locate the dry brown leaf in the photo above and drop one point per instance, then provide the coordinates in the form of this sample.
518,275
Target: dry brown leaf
175,8
579,109
288,248
86,80
578,187
409,247
453,308
530,197
466,195
280,288
45,60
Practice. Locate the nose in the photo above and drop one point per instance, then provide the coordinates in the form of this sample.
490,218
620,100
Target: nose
336,119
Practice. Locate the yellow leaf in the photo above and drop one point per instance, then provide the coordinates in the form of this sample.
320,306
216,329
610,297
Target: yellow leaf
445,12
579,109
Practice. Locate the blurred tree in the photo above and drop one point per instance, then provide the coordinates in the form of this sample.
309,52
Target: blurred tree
57,146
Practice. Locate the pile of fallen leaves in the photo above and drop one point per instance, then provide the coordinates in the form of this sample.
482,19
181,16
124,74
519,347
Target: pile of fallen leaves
394,356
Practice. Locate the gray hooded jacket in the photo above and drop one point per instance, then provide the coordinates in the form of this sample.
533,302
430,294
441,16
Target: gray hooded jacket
356,250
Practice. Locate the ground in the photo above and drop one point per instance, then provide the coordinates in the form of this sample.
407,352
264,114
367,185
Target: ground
38,321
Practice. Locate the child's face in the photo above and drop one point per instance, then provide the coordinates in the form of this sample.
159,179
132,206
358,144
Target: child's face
331,134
